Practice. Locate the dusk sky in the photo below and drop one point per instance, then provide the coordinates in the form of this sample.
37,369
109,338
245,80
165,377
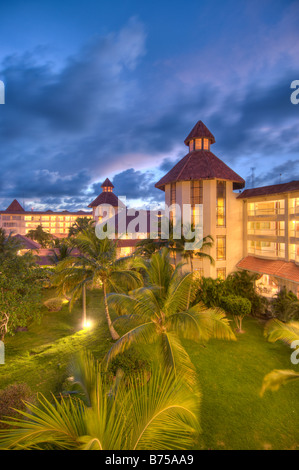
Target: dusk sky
98,89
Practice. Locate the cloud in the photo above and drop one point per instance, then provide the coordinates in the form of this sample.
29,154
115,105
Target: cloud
110,110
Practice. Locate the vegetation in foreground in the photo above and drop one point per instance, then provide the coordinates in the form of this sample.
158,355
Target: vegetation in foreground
244,420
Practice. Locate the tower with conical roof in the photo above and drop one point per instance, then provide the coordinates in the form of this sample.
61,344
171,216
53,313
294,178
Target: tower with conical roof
202,178
107,203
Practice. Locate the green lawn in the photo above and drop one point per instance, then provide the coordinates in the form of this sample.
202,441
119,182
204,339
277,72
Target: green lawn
233,416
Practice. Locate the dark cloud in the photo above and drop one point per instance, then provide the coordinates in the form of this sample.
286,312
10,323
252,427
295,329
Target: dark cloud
105,112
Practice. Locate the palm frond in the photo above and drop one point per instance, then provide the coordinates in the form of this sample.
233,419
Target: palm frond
165,414
142,334
176,358
213,323
275,330
275,379
57,424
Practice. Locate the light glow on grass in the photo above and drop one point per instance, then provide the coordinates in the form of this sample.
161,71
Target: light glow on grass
87,324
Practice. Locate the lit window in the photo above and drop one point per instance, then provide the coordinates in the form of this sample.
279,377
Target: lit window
198,144
206,144
221,247
221,204
191,145
221,273
196,190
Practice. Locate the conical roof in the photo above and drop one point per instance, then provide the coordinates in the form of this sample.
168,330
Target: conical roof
200,131
107,184
15,206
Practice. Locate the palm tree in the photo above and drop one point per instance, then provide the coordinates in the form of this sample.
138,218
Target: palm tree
40,236
80,224
276,330
9,245
205,242
60,251
164,312
96,265
159,413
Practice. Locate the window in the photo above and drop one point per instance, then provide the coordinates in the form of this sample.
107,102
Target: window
191,145
198,144
221,204
221,273
206,144
200,271
196,190
221,247
172,193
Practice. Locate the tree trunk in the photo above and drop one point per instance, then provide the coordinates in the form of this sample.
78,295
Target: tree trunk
84,304
191,263
113,332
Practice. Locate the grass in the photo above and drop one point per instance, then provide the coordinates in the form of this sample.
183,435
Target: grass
233,415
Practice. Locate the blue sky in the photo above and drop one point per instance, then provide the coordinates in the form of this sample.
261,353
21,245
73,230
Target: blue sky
100,89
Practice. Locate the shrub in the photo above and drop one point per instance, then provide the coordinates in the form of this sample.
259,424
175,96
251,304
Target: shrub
54,304
11,397
129,362
285,306
236,306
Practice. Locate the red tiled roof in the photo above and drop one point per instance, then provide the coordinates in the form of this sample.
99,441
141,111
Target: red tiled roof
27,243
199,131
200,165
107,184
107,198
140,222
282,269
273,189
15,206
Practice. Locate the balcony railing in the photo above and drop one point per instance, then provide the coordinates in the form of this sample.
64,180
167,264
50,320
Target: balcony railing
265,212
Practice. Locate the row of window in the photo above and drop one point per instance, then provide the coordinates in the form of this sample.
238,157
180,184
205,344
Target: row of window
220,272
196,197
199,144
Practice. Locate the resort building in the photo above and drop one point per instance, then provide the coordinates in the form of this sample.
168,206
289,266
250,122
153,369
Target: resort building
202,178
18,221
254,229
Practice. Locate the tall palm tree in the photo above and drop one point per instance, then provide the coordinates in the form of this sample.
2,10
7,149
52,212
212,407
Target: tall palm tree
165,312
276,330
60,251
9,245
159,413
40,236
97,264
80,224
203,244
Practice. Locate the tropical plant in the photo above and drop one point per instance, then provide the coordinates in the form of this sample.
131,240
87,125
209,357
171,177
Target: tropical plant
60,251
80,224
9,245
164,313
275,379
159,413
276,330
180,245
20,292
40,236
238,307
285,306
95,264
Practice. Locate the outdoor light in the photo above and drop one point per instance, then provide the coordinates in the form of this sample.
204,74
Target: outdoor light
87,324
